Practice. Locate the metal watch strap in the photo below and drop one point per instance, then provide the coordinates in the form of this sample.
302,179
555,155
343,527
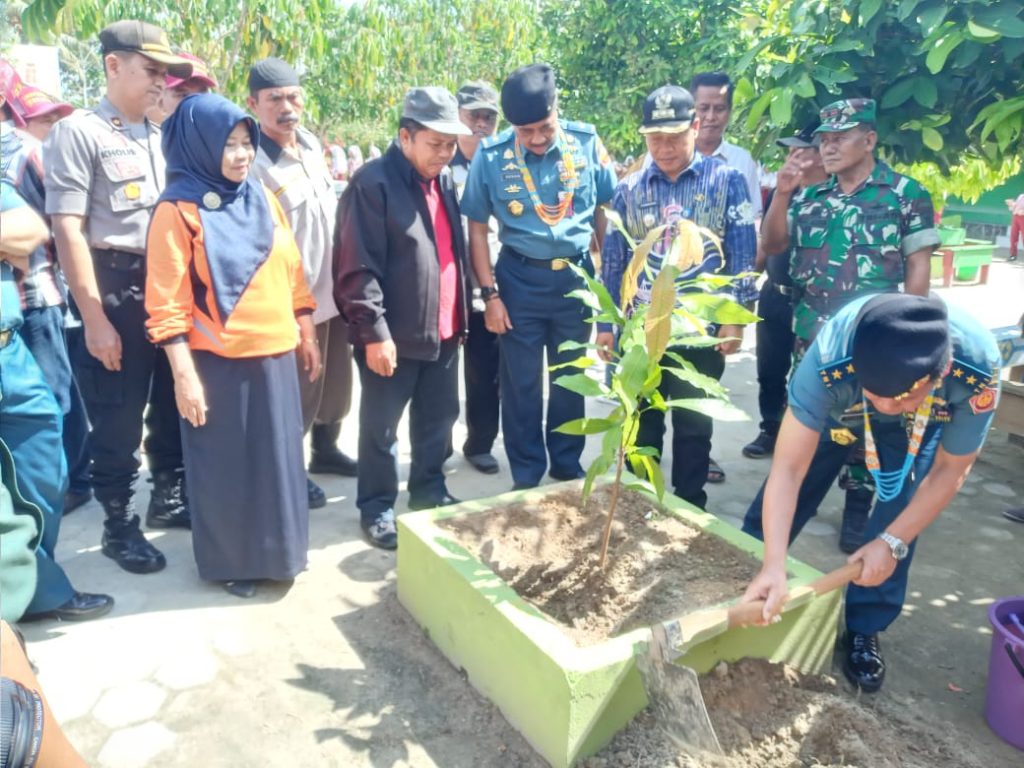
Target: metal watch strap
897,546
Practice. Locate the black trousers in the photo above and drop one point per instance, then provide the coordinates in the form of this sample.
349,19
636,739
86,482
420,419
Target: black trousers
480,370
691,431
119,403
774,354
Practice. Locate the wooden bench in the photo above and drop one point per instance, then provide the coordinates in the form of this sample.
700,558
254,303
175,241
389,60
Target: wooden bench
963,261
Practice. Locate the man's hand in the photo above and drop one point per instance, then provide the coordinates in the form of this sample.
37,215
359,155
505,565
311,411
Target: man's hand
309,353
103,342
790,175
190,397
769,585
382,357
726,331
606,345
496,317
878,561
15,260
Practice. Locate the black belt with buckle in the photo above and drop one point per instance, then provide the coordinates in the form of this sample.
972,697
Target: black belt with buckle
555,265
5,338
113,258
790,291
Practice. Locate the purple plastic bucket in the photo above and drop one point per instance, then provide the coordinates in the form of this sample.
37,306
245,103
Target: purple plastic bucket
1004,702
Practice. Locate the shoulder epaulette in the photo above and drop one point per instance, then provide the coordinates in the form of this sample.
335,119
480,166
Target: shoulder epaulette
836,371
976,379
501,138
580,127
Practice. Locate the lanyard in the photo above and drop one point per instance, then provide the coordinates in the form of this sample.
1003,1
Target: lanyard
551,214
888,484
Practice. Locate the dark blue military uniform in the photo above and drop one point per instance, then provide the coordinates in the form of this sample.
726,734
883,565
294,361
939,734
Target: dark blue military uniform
533,278
825,395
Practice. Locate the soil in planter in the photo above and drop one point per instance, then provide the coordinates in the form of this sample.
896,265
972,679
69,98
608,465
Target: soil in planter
770,716
658,567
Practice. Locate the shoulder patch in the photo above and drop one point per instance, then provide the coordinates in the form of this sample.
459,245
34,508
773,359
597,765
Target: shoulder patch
972,377
501,138
580,127
838,370
985,401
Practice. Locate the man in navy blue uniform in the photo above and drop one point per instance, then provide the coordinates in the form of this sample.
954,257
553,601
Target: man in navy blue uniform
919,385
543,181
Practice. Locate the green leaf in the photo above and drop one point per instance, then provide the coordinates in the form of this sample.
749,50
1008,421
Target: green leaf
658,322
982,33
631,371
804,86
585,426
582,384
937,56
713,308
930,18
757,110
925,92
612,441
781,106
639,486
898,93
1001,18
597,467
570,345
700,380
868,9
722,410
931,138
696,342
580,362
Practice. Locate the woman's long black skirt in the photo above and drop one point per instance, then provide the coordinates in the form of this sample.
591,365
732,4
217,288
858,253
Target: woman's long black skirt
244,470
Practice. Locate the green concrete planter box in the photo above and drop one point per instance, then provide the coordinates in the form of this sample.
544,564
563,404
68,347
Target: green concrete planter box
567,701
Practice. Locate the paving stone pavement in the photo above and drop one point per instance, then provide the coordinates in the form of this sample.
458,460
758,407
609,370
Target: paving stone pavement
331,672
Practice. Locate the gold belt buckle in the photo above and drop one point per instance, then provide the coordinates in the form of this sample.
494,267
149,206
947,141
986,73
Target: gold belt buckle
559,264
5,337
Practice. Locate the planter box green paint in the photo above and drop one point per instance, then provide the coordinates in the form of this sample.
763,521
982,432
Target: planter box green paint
569,702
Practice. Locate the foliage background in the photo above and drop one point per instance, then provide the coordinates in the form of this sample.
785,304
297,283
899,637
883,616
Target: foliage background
948,75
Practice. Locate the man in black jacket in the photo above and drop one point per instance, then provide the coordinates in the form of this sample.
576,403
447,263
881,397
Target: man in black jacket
400,283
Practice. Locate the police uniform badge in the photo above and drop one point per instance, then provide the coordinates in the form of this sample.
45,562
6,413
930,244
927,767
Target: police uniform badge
508,155
116,122
515,208
843,436
985,401
211,200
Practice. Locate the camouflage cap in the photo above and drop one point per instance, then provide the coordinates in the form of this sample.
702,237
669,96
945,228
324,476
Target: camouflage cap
846,114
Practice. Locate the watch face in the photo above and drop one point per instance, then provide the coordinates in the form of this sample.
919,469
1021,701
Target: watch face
901,550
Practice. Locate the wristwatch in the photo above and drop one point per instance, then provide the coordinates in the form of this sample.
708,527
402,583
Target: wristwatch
488,292
897,546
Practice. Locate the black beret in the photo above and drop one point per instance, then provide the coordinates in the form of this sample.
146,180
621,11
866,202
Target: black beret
528,94
898,339
271,73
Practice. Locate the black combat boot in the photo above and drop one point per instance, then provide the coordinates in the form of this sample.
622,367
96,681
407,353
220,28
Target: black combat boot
168,505
124,543
855,519
326,458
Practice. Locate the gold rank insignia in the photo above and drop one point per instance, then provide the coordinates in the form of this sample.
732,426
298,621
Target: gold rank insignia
843,437
515,208
513,188
132,191
509,154
510,167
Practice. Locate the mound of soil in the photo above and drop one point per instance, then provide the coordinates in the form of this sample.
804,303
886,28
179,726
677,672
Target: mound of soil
770,716
658,567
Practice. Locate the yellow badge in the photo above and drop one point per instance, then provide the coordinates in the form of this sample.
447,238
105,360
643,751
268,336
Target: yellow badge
509,154
843,437
515,208
513,188
132,191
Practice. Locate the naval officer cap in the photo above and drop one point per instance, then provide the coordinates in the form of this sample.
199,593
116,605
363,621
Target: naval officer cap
272,73
898,340
529,95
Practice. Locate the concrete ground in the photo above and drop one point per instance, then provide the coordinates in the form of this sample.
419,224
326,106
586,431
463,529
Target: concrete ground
332,672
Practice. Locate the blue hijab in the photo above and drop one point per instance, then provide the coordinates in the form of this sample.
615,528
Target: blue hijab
238,229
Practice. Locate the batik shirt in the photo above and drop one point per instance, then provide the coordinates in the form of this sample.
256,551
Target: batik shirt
708,193
845,245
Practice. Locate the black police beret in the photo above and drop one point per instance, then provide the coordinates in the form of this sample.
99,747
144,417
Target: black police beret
272,73
899,339
529,95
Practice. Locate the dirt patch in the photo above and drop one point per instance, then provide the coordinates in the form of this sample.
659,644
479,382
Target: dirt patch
770,716
658,567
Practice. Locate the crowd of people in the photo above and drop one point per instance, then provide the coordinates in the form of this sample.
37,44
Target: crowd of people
179,273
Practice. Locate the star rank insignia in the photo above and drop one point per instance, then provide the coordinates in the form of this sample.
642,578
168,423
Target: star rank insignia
836,371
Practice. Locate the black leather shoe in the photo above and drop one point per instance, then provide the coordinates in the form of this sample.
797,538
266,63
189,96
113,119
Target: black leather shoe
333,463
81,607
1014,513
168,507
382,534
572,475
317,497
124,543
445,501
862,661
760,447
240,587
75,499
483,462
